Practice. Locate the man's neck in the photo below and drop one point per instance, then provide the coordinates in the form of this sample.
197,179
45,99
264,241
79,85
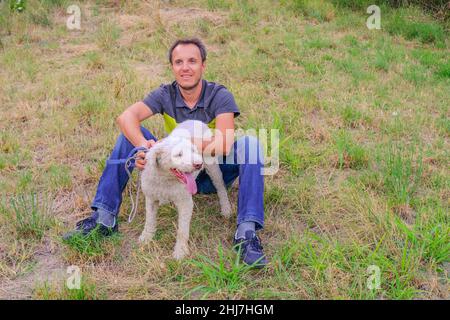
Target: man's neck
192,96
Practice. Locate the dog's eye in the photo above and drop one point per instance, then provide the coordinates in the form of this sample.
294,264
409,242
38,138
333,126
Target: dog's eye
180,154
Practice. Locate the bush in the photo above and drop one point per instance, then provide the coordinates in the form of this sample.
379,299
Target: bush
439,8
17,5
426,32
353,4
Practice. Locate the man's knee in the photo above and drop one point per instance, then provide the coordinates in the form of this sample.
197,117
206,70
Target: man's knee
249,150
147,135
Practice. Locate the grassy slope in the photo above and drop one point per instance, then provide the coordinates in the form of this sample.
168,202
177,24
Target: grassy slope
363,118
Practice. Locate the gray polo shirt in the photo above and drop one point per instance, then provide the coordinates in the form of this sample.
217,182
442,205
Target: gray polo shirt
214,100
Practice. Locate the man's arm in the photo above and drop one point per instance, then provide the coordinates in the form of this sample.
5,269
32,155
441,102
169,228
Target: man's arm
129,123
223,139
130,120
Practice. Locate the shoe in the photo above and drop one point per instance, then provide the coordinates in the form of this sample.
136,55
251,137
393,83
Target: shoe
86,226
251,250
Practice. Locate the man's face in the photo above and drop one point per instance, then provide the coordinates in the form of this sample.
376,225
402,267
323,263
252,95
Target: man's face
187,65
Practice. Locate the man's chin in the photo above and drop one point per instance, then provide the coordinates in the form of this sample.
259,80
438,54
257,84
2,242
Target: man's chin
189,87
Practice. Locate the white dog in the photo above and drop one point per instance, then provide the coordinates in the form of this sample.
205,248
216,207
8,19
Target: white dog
175,159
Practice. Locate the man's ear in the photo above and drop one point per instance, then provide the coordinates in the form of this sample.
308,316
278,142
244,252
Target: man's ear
203,66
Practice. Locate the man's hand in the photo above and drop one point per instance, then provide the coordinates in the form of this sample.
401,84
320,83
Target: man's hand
140,159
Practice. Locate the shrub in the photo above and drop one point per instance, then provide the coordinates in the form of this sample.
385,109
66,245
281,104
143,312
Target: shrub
426,32
439,8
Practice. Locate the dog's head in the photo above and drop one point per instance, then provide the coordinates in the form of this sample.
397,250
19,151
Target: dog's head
176,153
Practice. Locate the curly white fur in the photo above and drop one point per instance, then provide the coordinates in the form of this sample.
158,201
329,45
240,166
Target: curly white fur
159,185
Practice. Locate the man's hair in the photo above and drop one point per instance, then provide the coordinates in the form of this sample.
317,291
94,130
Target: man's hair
194,41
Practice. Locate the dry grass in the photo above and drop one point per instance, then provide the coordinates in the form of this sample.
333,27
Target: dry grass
363,118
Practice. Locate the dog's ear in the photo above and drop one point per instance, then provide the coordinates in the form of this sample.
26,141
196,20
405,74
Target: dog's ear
158,157
156,154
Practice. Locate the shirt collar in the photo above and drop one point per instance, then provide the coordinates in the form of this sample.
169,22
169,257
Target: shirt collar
179,102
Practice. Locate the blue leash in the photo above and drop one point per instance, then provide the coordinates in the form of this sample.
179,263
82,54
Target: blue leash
129,162
129,157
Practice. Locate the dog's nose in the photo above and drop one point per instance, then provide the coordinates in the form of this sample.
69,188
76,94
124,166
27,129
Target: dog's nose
197,166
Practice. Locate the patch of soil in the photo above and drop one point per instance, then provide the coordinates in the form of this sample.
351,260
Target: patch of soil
49,268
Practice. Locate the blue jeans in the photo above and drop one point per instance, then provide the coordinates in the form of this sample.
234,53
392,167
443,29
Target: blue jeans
244,161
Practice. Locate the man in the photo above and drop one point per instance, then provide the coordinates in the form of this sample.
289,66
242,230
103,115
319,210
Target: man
189,97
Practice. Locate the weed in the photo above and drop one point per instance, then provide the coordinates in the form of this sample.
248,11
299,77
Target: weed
402,173
87,291
94,246
348,102
227,274
59,177
318,9
426,32
107,35
28,214
349,154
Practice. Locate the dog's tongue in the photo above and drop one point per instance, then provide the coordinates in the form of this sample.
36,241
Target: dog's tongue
187,179
191,186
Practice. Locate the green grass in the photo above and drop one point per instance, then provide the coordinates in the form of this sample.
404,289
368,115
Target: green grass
402,172
387,55
363,123
107,35
93,247
354,118
349,153
10,153
17,259
322,262
95,60
443,70
353,4
90,107
320,9
431,234
227,274
402,23
218,4
87,291
59,177
354,68
25,181
28,214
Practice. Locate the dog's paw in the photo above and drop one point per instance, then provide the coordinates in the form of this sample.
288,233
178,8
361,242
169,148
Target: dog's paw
180,252
225,210
145,237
